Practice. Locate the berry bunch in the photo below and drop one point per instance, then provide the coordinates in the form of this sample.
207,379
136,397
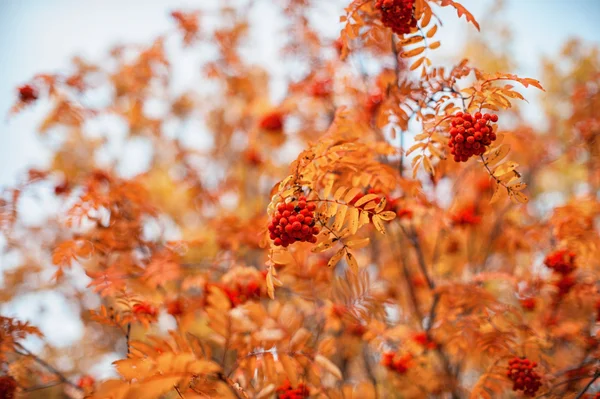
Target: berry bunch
423,340
293,221
399,364
272,121
528,304
285,391
397,15
86,381
8,386
322,88
144,308
471,134
27,93
466,217
562,262
238,293
524,377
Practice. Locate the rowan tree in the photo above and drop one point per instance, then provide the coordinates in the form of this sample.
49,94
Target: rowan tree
361,235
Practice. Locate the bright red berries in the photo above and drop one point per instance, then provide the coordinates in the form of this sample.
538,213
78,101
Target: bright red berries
272,122
8,386
471,134
86,381
322,88
28,93
399,364
293,221
561,261
422,339
528,304
397,15
521,373
145,308
285,391
466,217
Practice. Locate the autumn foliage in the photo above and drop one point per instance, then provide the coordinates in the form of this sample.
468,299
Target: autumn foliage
397,231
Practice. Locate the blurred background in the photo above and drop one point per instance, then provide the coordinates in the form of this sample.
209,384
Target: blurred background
41,36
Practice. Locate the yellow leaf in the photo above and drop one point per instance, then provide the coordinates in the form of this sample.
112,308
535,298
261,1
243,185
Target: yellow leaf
336,258
432,31
351,194
352,262
518,196
413,52
387,215
339,193
496,154
365,199
378,224
352,216
428,166
339,217
417,63
497,193
381,206
323,246
329,366
356,244
434,45
504,168
411,40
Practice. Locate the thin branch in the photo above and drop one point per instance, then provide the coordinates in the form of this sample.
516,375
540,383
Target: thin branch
589,384
47,366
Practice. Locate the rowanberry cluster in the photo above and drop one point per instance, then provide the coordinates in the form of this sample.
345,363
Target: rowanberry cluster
322,88
286,391
524,377
8,386
528,304
399,364
239,293
466,217
397,15
423,340
144,308
272,121
294,221
471,134
86,381
562,262
27,93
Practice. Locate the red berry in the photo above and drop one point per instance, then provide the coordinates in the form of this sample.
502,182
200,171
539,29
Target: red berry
494,118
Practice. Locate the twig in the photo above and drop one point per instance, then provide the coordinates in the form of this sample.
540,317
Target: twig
589,384
127,336
47,366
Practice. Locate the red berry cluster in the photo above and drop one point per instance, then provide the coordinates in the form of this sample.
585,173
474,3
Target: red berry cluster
423,340
286,391
27,93
528,304
523,376
322,88
562,262
294,221
466,217
399,364
272,122
86,381
176,307
145,309
8,386
397,15
240,292
471,134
